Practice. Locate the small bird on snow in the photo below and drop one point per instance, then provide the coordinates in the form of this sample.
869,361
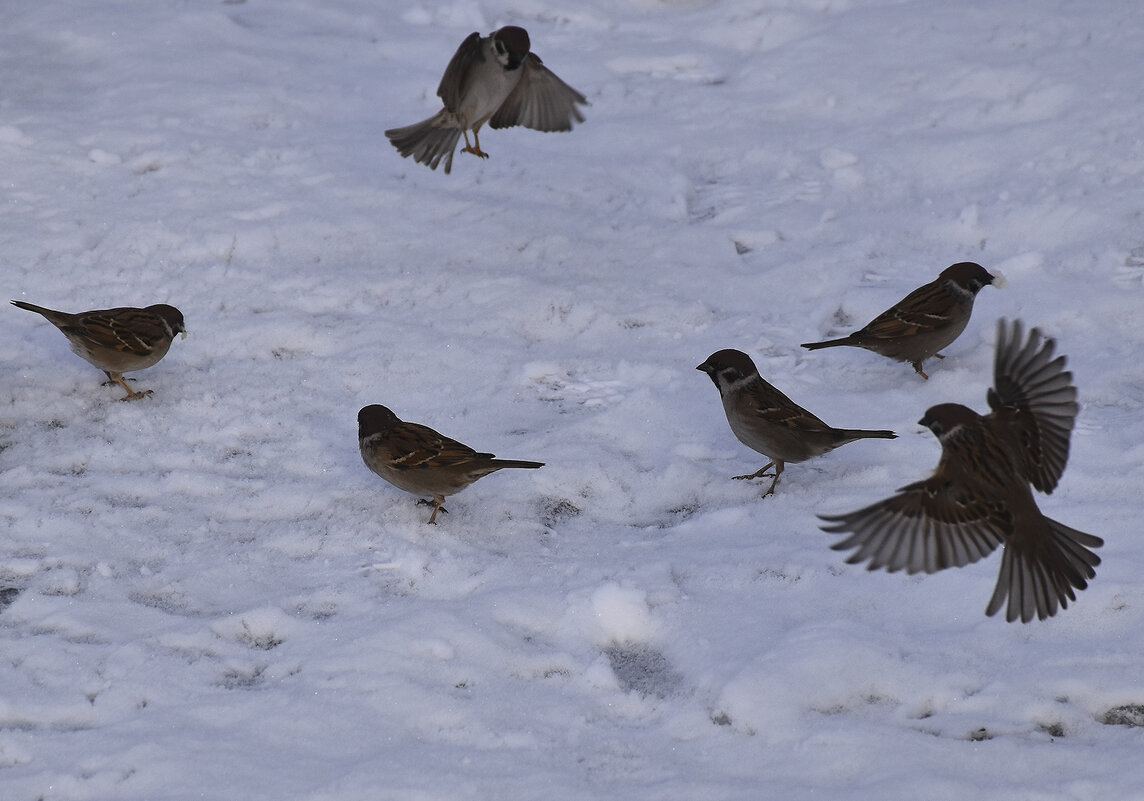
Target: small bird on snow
117,341
769,422
924,321
417,459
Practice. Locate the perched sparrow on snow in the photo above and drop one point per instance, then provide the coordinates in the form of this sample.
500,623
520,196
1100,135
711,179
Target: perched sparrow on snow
924,321
118,341
495,80
768,421
979,496
417,459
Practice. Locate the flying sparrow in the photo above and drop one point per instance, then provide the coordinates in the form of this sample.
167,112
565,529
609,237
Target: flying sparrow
493,79
924,321
979,496
118,341
417,459
768,421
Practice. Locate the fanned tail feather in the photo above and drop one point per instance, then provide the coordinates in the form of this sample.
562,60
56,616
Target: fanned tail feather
427,141
1040,582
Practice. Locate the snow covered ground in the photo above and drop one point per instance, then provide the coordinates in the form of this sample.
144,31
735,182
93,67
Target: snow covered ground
206,594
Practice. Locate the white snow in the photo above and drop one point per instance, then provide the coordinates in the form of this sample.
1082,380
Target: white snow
207,595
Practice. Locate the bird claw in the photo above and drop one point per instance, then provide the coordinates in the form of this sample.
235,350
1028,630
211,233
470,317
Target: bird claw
130,396
436,508
476,151
762,473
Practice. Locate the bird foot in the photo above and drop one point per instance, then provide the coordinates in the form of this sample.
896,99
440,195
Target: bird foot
762,473
476,151
437,507
121,381
918,367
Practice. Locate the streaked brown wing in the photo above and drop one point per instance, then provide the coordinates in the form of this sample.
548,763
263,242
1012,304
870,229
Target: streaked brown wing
777,409
926,527
1034,395
924,309
413,446
125,330
540,101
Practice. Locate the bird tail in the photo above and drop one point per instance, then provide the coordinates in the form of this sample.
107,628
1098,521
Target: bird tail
19,304
1039,576
501,463
830,343
428,141
851,434
57,318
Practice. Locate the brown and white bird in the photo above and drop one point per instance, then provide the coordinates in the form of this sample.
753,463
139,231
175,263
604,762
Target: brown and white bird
118,341
979,497
924,321
768,421
417,459
493,79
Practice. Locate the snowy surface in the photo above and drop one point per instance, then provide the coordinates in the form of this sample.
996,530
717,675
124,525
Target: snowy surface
207,595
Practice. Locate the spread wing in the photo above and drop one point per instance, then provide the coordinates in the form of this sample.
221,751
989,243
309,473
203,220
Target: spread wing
452,86
927,526
540,101
1034,395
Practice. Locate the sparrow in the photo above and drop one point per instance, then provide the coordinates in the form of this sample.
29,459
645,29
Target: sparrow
118,341
979,496
493,79
924,321
768,421
417,459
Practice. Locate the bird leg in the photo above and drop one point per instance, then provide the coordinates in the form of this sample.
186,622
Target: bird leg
117,378
437,507
918,367
475,149
762,471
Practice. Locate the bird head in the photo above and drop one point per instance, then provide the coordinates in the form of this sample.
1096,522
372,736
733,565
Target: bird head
375,419
511,45
728,367
946,418
968,275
